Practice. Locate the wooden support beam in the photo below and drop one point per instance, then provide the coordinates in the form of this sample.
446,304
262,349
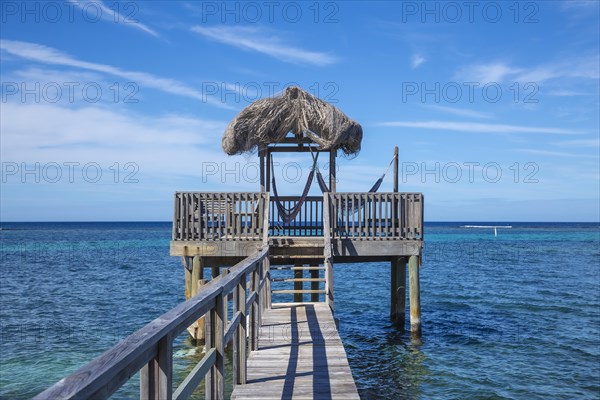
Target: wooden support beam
314,284
268,171
215,378
396,169
398,291
187,276
261,154
239,348
332,171
156,377
415,296
298,284
295,149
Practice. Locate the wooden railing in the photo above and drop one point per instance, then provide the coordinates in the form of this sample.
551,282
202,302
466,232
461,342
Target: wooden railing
376,216
220,216
150,349
308,222
253,216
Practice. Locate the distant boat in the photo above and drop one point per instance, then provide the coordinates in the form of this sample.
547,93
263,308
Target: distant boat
495,227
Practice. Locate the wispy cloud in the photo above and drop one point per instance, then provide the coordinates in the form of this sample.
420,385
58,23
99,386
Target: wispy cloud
580,143
463,112
492,72
553,153
477,127
153,141
567,93
583,67
254,39
111,15
416,60
48,55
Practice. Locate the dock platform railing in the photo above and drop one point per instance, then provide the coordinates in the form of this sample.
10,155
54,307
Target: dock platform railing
203,216
150,349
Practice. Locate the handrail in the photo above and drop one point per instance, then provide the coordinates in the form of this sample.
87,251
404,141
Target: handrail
203,216
150,348
219,215
377,216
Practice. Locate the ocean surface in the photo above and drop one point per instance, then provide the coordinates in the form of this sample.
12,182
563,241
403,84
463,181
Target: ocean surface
513,316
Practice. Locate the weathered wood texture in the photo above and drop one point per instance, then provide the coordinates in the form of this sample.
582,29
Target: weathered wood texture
200,216
217,216
415,296
150,348
398,291
377,216
300,355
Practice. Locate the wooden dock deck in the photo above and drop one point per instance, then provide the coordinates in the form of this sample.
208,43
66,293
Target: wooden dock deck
300,355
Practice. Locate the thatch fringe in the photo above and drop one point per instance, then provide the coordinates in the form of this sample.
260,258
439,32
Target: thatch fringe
269,120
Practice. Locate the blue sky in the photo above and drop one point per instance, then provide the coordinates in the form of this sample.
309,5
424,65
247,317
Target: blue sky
108,108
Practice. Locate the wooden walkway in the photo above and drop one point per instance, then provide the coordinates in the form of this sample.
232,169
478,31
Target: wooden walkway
300,355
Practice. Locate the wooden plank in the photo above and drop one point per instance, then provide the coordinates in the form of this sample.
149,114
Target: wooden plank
297,292
300,356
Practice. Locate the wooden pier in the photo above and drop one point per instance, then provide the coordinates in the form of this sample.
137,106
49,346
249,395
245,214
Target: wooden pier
244,251
300,355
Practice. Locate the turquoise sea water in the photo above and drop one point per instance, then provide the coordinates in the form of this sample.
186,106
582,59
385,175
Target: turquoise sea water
515,316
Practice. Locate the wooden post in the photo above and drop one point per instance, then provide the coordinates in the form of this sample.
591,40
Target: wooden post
415,301
187,276
156,377
332,171
267,263
193,284
398,291
395,169
314,284
239,348
268,171
298,284
214,380
261,154
254,319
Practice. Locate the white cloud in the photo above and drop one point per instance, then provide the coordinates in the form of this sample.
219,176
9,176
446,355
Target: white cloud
111,15
164,144
583,67
253,39
580,143
494,72
463,112
477,127
48,55
553,153
567,93
416,60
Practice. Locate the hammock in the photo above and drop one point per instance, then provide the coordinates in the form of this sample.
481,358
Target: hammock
287,215
345,204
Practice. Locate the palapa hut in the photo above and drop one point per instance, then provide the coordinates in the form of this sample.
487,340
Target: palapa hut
293,117
268,121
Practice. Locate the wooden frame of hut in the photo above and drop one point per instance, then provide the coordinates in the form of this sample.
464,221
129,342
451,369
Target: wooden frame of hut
303,233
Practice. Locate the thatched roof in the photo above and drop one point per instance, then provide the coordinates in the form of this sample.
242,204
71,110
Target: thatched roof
269,120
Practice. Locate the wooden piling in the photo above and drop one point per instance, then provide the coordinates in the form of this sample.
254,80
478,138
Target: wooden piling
398,291
415,296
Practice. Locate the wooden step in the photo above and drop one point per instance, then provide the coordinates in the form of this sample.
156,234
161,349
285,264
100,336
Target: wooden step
298,280
297,291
